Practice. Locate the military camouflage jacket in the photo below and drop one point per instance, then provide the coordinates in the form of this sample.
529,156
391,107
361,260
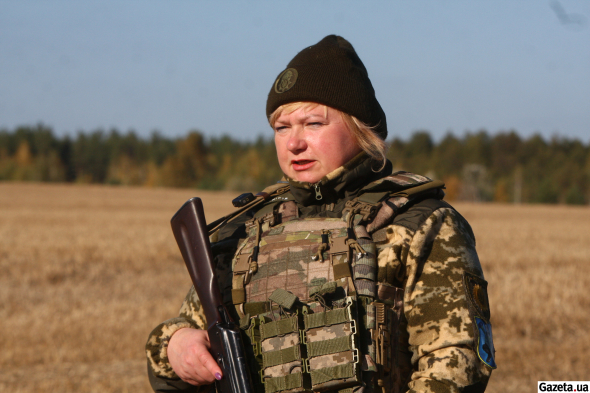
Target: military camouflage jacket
426,248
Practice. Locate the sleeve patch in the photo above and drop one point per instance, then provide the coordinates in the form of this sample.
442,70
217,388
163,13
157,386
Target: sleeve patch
476,289
485,344
477,293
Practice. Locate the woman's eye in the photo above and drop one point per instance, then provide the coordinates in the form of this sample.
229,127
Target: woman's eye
280,129
315,124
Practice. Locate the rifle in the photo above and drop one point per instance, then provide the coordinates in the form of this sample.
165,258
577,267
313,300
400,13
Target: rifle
190,230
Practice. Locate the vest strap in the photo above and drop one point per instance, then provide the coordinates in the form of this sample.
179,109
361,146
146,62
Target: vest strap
282,356
238,293
280,327
419,189
320,290
268,193
326,347
288,382
366,287
341,371
283,298
255,308
327,318
372,197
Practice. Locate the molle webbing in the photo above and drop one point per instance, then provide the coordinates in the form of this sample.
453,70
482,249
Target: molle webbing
326,347
364,265
342,371
278,328
365,269
287,382
321,347
332,354
281,351
327,318
281,356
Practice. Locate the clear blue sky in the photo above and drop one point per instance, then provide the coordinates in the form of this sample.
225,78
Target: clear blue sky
173,65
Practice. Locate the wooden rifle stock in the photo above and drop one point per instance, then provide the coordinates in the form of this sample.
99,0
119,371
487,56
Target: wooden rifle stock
190,230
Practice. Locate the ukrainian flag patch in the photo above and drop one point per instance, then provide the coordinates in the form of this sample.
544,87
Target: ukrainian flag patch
485,345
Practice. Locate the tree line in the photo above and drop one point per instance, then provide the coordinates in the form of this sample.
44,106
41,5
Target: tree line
475,167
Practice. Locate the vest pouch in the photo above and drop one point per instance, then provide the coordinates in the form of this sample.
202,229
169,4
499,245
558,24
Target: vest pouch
331,339
282,364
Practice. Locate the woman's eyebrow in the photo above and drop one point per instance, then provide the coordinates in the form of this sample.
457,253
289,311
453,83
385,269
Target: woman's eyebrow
308,116
304,117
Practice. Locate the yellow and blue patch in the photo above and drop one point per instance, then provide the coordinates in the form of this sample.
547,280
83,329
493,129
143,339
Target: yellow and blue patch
485,345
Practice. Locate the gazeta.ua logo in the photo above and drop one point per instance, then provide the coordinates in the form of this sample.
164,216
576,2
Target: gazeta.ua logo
563,386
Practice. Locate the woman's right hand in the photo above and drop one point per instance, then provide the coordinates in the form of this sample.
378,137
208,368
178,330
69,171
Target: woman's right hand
188,353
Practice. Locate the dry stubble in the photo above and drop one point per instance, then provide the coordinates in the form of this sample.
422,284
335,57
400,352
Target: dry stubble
87,271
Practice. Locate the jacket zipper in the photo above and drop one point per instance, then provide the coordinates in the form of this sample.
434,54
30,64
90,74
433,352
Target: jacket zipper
318,194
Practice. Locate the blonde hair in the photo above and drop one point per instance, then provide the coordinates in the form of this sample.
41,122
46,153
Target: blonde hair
363,134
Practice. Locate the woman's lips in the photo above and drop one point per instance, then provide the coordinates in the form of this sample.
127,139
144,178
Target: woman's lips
302,165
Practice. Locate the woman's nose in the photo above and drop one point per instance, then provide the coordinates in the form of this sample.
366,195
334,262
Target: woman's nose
296,143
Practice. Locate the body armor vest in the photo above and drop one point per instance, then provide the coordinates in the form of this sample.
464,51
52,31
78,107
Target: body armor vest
306,293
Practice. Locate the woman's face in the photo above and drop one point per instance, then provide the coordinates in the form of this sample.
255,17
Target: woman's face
311,144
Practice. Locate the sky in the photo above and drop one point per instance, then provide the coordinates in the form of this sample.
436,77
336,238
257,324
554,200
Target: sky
173,66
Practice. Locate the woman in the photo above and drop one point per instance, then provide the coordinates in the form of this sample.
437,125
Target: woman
376,278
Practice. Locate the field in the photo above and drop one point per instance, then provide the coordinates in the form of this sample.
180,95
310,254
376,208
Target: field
87,271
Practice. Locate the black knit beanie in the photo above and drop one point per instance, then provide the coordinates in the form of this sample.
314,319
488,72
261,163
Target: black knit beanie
329,73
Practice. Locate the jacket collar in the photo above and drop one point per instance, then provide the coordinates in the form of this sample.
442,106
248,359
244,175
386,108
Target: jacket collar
342,183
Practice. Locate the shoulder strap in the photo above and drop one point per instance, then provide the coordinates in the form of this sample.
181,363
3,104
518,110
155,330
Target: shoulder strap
400,184
415,216
370,196
265,195
272,202
382,200
403,184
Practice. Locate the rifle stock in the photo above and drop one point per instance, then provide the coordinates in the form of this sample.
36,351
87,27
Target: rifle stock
190,230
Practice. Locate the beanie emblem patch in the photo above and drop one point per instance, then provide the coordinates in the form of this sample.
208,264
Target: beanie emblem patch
286,80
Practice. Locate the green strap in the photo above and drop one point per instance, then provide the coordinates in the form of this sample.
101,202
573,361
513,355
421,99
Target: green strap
376,197
281,356
268,193
283,297
288,382
255,308
276,328
341,371
372,197
326,347
326,318
329,287
416,190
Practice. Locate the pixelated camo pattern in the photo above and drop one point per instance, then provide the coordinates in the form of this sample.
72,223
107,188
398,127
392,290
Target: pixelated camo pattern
440,334
157,345
437,335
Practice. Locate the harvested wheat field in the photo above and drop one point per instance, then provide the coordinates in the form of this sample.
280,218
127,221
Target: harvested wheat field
88,271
